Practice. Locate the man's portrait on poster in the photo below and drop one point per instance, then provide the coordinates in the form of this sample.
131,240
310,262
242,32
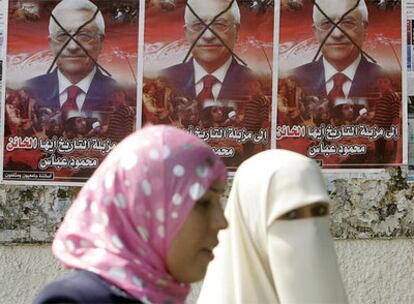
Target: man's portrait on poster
342,62
213,72
66,97
342,84
215,86
76,81
76,35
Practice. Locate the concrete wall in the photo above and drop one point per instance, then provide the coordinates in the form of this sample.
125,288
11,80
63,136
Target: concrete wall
363,207
367,211
23,270
374,271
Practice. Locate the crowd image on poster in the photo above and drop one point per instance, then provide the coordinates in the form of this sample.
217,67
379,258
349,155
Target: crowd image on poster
340,88
70,90
208,69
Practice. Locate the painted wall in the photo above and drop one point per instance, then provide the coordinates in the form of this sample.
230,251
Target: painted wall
374,271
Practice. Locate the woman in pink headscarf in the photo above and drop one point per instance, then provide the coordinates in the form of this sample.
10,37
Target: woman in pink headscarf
144,225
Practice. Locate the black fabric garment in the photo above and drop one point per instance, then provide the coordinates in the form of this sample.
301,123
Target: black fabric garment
83,287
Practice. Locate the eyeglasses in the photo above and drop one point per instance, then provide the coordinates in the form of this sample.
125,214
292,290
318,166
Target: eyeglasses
83,36
218,26
346,25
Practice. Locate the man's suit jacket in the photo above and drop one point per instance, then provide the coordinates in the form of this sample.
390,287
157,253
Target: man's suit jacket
311,78
45,89
235,85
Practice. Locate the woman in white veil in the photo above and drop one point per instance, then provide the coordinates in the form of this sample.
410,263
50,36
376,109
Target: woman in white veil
278,248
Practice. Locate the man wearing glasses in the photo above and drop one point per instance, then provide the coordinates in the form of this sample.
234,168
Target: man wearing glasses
343,71
77,84
213,73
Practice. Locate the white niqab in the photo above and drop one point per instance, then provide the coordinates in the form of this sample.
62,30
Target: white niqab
261,259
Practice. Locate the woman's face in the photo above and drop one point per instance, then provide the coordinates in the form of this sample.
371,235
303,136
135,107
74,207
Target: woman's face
191,250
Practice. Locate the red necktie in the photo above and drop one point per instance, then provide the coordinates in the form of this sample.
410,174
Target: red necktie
207,93
70,103
337,91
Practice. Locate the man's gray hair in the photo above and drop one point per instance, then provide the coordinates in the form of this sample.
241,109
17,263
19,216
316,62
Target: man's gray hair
362,7
77,5
234,9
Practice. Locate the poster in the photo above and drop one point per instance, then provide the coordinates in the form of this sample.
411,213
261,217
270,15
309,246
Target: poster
208,69
410,149
341,98
410,59
2,26
70,87
410,85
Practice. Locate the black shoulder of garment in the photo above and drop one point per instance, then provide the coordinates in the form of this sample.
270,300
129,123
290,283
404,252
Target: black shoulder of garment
83,287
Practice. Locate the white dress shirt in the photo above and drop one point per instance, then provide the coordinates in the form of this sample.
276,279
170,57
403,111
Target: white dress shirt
349,72
219,74
83,85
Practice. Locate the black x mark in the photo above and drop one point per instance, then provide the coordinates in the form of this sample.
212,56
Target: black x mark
207,27
336,25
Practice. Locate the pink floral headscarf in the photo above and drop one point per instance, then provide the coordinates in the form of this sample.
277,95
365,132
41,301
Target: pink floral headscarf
122,222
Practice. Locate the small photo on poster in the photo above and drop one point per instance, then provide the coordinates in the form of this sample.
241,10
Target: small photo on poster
70,90
340,88
208,69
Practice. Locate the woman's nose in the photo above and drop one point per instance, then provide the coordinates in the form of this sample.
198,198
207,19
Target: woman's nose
218,220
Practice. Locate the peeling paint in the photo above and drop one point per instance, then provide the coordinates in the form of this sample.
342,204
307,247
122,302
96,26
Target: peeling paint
31,214
373,208
361,208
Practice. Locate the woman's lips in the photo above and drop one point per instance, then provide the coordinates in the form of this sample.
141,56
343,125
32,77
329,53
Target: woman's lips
208,252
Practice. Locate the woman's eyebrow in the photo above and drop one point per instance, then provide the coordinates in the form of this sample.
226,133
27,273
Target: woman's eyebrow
216,190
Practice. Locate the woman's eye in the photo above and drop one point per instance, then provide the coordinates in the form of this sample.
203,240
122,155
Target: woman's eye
204,203
292,215
319,211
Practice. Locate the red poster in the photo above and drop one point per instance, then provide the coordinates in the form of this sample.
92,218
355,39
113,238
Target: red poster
340,82
70,90
208,69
